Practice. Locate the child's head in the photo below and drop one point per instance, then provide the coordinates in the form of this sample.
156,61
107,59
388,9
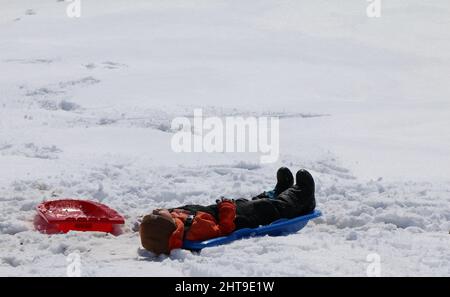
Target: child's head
155,231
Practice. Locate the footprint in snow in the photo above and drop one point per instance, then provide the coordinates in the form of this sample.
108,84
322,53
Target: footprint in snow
30,12
106,65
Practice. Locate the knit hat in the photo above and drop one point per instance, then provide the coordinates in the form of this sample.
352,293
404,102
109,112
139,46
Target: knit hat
155,231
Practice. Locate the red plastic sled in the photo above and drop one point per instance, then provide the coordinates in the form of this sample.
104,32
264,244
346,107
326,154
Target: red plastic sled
79,215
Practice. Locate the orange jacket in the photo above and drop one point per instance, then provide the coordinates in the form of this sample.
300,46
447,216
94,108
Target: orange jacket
204,226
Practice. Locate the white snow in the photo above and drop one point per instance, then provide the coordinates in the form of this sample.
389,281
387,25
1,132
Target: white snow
86,106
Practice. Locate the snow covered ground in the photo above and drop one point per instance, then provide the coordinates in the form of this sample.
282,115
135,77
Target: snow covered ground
86,105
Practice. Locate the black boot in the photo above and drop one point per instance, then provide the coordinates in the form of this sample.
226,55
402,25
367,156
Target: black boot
285,180
305,181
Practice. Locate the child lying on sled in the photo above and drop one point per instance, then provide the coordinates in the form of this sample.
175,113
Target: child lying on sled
165,229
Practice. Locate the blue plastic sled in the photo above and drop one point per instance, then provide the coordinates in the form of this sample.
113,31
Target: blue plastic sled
277,228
